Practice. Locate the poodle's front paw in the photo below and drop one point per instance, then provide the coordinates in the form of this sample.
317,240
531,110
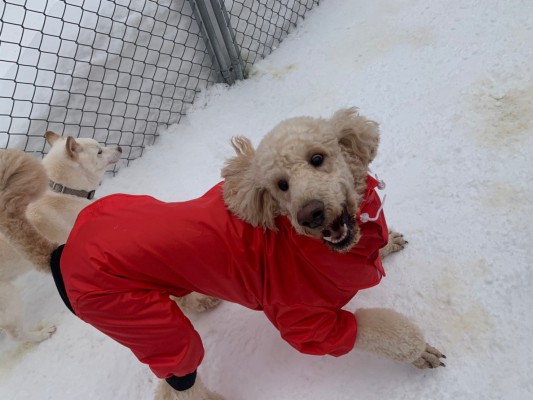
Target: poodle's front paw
430,358
396,243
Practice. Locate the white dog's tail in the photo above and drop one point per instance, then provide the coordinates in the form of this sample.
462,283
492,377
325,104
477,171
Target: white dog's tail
22,181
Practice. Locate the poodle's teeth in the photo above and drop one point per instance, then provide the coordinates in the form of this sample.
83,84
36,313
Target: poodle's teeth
335,241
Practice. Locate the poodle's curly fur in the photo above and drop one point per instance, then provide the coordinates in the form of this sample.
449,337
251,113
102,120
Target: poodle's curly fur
347,143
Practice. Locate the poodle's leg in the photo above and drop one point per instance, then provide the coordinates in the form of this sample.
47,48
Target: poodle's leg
11,314
196,302
198,392
390,334
396,243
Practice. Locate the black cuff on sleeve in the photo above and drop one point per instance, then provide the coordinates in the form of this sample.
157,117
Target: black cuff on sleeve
58,278
181,383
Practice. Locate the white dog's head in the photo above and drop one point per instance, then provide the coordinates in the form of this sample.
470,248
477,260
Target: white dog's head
311,170
78,163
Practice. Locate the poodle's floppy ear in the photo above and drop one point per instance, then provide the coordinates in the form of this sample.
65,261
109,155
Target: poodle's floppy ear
242,193
358,136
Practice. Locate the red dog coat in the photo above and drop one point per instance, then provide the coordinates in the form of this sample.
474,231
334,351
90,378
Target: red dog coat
126,255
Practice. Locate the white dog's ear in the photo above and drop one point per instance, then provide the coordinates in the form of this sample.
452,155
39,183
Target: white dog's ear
358,136
51,137
242,193
73,148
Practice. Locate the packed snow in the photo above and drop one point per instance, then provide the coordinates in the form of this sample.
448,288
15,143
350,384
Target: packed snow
451,85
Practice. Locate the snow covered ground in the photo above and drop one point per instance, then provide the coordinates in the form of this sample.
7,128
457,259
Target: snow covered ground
451,85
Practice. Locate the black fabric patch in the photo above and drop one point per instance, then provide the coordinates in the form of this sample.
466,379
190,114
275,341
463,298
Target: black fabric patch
58,278
181,383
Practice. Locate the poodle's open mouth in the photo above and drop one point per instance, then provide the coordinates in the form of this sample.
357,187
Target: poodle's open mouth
339,235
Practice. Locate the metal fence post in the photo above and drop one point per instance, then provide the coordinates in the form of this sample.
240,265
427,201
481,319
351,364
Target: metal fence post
228,35
219,38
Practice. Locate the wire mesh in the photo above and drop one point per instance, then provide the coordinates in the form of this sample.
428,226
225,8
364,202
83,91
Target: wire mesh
117,71
260,25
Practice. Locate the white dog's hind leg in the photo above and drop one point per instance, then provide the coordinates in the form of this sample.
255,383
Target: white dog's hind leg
198,392
396,243
11,313
196,302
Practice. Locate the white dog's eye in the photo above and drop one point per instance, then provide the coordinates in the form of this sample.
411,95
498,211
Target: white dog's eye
283,185
100,151
316,160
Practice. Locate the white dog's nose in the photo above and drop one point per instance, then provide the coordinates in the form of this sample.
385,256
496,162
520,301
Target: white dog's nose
312,214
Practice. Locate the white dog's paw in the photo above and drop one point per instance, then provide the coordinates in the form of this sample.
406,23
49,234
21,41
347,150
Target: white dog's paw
430,358
46,332
196,302
396,243
37,335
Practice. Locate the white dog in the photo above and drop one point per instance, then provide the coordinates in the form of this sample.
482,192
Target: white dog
75,168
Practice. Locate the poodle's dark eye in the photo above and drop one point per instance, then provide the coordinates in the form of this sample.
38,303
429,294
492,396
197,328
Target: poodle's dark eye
316,160
283,185
100,151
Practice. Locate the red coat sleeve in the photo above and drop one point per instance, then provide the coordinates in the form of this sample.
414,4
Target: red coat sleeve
314,330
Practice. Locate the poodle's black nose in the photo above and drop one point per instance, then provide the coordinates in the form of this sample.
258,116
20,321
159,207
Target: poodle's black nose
312,214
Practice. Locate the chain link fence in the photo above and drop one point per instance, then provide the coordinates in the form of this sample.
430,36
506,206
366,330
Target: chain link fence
261,25
120,71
